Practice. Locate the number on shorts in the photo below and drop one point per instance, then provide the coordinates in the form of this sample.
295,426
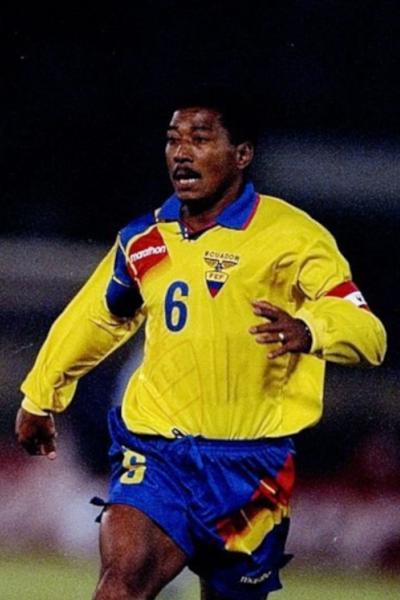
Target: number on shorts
135,465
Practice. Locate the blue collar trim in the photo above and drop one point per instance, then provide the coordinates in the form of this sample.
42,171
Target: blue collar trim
236,215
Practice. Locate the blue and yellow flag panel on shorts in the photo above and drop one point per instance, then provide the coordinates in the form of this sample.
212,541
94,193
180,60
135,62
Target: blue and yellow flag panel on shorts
202,372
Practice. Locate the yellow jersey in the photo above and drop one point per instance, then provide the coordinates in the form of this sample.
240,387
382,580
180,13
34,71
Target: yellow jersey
202,371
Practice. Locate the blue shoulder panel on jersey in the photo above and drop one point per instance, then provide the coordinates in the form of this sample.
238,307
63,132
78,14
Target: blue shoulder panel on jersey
136,226
120,270
122,296
123,301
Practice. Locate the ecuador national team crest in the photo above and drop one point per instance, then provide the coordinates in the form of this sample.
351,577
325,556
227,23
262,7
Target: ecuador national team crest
220,262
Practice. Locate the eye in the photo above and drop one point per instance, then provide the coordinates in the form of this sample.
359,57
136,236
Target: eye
171,140
200,139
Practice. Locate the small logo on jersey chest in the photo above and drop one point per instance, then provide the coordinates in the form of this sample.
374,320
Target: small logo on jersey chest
220,262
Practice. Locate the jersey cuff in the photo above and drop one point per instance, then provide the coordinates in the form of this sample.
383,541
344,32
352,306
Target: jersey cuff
316,343
32,408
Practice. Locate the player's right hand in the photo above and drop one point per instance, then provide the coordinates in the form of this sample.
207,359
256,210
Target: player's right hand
36,434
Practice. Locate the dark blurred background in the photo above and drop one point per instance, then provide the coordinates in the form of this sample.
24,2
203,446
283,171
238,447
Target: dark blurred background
83,112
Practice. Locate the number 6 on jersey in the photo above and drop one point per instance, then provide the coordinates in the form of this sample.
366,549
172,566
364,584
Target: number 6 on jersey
175,309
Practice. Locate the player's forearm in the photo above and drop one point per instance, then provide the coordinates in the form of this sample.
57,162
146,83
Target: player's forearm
344,333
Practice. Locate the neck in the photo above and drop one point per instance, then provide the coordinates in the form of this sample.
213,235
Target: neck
200,213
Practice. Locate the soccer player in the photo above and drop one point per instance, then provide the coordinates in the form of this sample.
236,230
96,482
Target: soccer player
244,297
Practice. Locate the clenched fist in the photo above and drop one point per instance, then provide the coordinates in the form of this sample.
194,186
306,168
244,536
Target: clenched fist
36,434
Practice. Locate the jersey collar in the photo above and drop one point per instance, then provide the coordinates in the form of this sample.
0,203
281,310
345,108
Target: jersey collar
237,215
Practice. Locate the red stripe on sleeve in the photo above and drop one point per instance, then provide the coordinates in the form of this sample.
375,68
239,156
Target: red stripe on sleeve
343,289
349,291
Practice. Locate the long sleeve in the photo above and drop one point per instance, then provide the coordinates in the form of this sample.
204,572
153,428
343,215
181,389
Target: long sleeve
343,328
84,334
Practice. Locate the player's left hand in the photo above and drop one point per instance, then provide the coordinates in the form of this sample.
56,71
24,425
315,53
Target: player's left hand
292,334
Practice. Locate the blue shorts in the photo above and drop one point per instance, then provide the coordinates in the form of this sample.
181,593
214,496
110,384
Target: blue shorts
224,503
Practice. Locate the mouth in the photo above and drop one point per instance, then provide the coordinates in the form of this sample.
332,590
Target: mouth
185,176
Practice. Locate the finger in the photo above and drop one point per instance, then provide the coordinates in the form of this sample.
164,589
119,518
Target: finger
32,446
281,351
264,304
48,448
267,328
40,443
284,347
48,443
268,338
265,309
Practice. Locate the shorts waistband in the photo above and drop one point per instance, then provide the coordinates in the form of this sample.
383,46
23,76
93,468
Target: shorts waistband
216,445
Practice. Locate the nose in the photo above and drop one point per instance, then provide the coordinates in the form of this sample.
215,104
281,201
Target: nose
183,153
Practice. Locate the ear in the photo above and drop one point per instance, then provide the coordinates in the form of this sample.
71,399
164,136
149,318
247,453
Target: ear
244,155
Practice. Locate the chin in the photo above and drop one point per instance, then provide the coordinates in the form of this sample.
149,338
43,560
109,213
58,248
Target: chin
187,195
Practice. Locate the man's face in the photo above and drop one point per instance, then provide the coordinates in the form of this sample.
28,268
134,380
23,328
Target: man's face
202,161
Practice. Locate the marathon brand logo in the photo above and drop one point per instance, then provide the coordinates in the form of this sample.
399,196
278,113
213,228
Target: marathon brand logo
148,251
255,580
145,252
220,261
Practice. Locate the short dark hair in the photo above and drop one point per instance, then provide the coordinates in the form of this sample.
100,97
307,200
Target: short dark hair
238,114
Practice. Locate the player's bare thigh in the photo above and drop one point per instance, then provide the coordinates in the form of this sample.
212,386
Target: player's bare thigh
137,558
209,594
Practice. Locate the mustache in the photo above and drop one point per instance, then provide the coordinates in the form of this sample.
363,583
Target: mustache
180,172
